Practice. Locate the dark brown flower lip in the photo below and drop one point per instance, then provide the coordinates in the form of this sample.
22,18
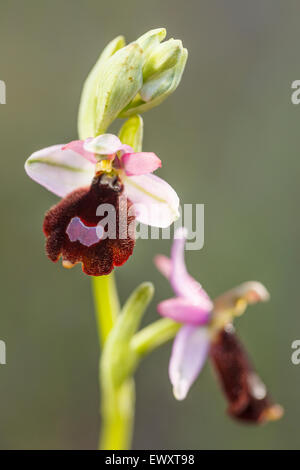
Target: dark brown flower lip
247,397
99,258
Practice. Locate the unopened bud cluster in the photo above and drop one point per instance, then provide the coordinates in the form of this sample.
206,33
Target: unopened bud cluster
128,80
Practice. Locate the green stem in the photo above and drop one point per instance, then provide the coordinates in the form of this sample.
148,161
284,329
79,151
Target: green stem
118,401
106,304
117,404
117,416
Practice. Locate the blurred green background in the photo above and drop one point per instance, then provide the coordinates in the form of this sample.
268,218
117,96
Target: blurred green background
229,138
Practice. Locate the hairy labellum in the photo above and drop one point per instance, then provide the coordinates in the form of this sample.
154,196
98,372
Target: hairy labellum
246,394
92,226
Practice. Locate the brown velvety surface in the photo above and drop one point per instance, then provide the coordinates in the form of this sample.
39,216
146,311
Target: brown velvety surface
101,257
246,394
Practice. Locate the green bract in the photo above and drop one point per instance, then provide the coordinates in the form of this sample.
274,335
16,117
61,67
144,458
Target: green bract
119,359
131,133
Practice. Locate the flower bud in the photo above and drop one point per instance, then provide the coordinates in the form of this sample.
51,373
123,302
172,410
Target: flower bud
158,86
87,108
151,40
120,81
163,57
128,80
112,84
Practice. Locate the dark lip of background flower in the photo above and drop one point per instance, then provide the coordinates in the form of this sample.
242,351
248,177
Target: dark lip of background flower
100,258
246,394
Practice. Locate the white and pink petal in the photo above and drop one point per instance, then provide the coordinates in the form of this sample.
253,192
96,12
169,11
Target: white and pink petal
106,144
60,171
189,353
78,147
156,203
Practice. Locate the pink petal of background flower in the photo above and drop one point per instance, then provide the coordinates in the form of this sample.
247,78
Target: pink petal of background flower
189,352
182,310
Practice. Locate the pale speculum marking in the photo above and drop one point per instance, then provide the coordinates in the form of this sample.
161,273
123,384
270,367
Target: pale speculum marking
78,231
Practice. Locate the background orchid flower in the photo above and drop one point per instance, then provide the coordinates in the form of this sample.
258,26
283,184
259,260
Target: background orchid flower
87,174
207,330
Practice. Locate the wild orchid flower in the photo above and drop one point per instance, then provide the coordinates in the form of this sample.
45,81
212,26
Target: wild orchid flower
208,331
93,173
